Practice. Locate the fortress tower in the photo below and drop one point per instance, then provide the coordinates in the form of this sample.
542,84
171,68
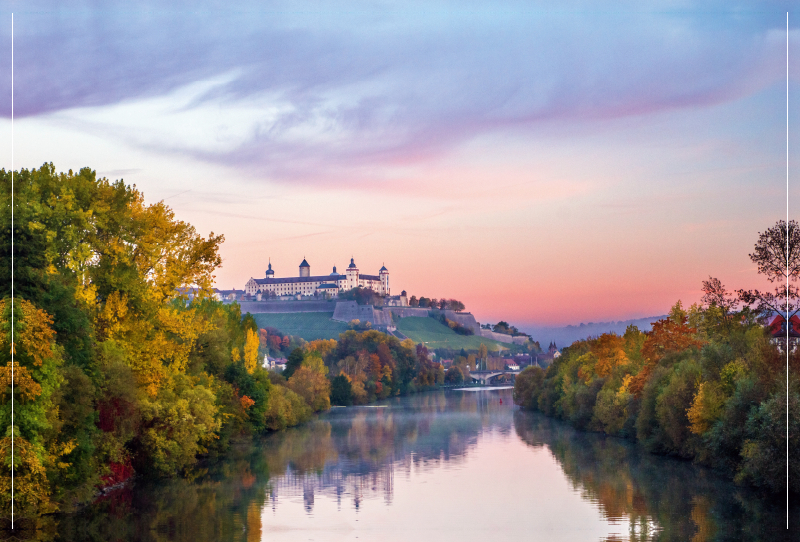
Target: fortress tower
305,269
352,275
384,274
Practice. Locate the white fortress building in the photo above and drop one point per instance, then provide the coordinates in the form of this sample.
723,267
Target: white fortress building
325,286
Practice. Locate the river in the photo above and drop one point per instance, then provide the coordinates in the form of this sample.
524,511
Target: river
456,465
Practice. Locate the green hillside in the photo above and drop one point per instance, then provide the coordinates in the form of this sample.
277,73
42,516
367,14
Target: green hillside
437,335
308,325
318,325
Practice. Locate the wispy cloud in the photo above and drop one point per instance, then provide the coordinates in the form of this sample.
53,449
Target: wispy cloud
295,93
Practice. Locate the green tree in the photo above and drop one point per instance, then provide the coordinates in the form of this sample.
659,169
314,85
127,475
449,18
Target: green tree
454,376
341,391
293,362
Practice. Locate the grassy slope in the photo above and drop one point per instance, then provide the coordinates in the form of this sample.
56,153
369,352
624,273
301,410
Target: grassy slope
308,325
437,335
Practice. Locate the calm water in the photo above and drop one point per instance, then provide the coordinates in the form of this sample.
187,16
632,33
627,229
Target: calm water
454,465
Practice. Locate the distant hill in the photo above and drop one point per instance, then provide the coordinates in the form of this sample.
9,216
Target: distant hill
565,336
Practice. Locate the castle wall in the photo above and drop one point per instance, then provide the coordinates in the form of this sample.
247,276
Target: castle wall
255,307
466,319
404,312
350,310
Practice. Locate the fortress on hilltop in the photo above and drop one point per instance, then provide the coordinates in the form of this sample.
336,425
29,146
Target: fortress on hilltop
321,286
307,293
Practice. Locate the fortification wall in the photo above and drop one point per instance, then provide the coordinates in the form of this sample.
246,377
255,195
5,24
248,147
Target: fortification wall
345,311
404,312
382,318
466,319
350,310
255,307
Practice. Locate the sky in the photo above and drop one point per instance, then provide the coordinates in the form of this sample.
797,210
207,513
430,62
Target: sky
544,166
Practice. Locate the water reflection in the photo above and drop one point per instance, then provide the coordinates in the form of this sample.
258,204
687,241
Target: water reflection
357,469
354,453
660,498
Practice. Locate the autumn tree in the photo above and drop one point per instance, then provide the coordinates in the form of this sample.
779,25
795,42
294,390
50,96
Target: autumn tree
251,351
116,368
36,378
454,375
668,336
309,381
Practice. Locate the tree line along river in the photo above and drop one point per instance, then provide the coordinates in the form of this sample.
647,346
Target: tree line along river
449,465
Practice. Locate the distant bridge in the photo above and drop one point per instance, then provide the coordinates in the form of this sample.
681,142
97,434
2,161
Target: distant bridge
484,377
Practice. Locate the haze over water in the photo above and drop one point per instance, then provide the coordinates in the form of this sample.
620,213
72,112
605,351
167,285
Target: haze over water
450,465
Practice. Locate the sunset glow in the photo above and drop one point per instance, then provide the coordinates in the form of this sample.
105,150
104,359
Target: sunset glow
544,167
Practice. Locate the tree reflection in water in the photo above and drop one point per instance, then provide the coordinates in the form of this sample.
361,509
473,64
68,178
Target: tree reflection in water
350,453
354,454
662,498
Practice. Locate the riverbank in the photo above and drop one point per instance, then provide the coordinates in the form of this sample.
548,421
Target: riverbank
710,394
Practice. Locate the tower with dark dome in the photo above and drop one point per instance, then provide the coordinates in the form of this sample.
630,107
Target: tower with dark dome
305,269
270,272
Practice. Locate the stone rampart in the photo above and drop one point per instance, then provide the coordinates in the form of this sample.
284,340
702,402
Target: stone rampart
350,310
255,307
466,319
405,312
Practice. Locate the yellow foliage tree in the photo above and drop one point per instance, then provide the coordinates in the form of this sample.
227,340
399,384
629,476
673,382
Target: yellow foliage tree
35,379
310,383
31,487
609,349
706,407
251,351
322,346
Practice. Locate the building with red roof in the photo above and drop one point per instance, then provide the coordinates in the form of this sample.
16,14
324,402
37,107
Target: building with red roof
777,330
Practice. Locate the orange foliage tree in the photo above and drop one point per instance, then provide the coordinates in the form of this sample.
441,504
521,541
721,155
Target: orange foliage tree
668,336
